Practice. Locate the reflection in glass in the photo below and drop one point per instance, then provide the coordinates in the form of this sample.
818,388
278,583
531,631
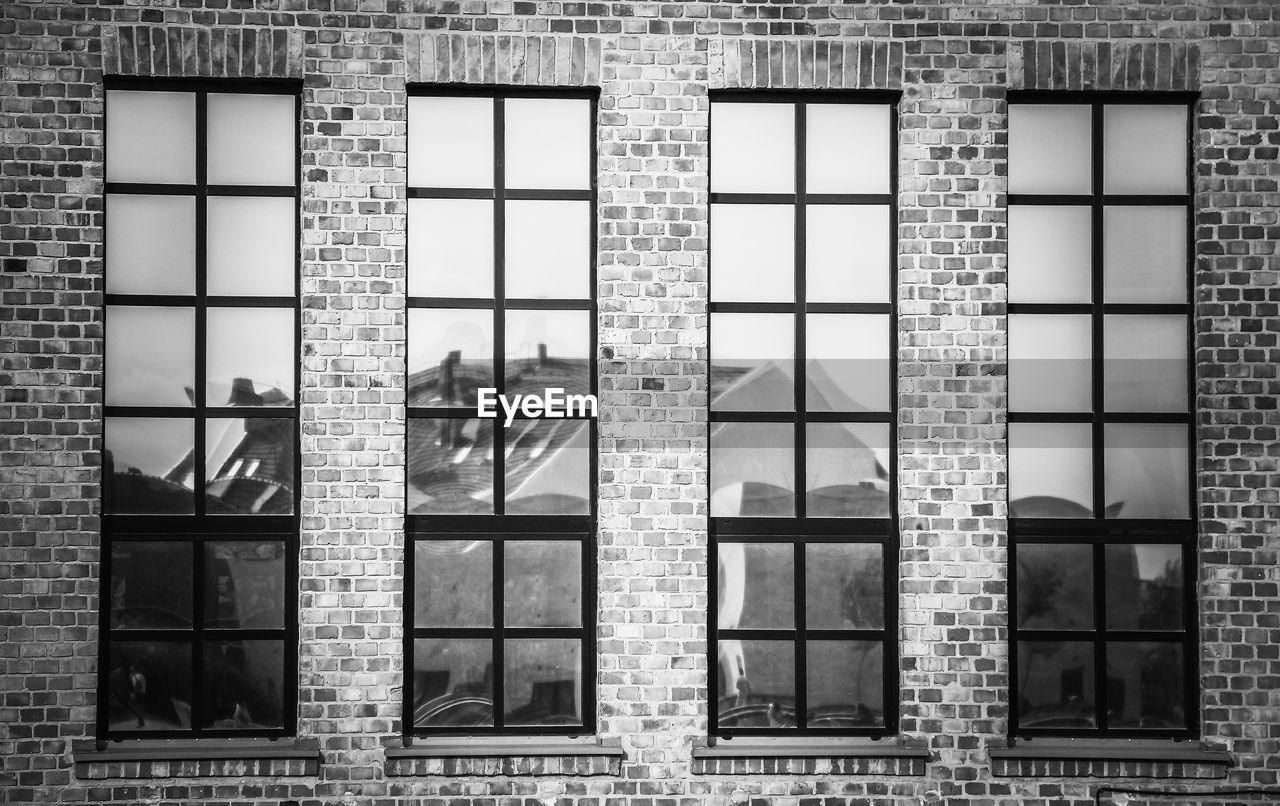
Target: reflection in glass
450,355
542,681
249,466
450,248
848,362
847,470
847,253
754,148
452,682
1144,686
251,357
1049,148
844,684
1146,470
542,583
252,139
151,137
1145,148
251,246
1144,251
757,684
1144,587
1050,362
548,467
1056,685
150,356
150,585
548,349
450,466
453,583
1049,253
450,143
755,586
151,244
844,586
753,252
847,148
548,143
1055,586
148,685
147,465
244,584
1050,470
243,685
752,469
1145,363
548,249
752,361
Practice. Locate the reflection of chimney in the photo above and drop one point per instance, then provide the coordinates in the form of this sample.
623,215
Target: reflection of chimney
451,430
242,393
542,353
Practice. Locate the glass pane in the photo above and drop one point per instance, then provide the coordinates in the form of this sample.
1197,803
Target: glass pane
847,148
542,583
755,586
753,252
548,249
1049,257
1050,362
1049,148
1050,470
252,248
243,685
1145,149
1145,254
453,583
548,143
450,248
1055,586
450,355
450,466
753,148
452,682
249,466
251,357
752,469
542,681
244,584
149,685
848,363
147,465
847,470
151,137
1144,587
753,361
252,139
547,349
1144,686
1146,470
844,683
150,356
451,142
151,585
1145,364
548,467
151,244
844,586
1056,685
757,684
847,253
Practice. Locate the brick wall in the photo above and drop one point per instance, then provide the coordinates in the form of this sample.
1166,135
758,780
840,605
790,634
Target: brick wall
654,63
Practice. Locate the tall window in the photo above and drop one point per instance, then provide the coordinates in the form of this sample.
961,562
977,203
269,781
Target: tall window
804,535
1102,526
501,616
199,604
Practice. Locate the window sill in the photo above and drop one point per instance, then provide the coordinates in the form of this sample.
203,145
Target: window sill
195,758
507,756
809,756
1099,758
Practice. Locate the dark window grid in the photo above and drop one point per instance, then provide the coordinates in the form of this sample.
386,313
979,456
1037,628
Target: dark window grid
825,528
1099,530
199,526
579,527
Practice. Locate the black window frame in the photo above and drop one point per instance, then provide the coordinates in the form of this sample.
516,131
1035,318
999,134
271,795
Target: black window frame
800,530
201,528
500,527
1099,531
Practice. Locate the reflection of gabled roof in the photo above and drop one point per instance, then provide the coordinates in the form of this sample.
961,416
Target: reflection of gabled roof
770,387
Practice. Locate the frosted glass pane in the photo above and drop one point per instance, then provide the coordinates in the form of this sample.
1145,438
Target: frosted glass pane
451,142
252,139
753,252
151,244
548,249
151,137
753,148
1048,254
847,365
847,148
150,356
1144,149
1145,363
252,246
1146,470
548,143
847,253
251,358
450,248
752,469
1144,254
1049,148
147,465
542,582
752,361
463,338
1050,470
847,470
1050,363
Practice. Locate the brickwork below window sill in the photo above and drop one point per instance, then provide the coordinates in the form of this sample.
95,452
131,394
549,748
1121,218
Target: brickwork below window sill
878,758
1083,761
195,759
515,758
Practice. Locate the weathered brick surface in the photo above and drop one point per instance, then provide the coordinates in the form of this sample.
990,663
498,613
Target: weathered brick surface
654,63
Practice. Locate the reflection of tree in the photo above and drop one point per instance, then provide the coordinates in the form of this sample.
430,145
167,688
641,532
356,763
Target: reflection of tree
862,605
1162,598
1038,587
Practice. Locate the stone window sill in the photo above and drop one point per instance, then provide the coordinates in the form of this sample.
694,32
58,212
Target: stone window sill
195,758
1099,758
506,756
809,756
